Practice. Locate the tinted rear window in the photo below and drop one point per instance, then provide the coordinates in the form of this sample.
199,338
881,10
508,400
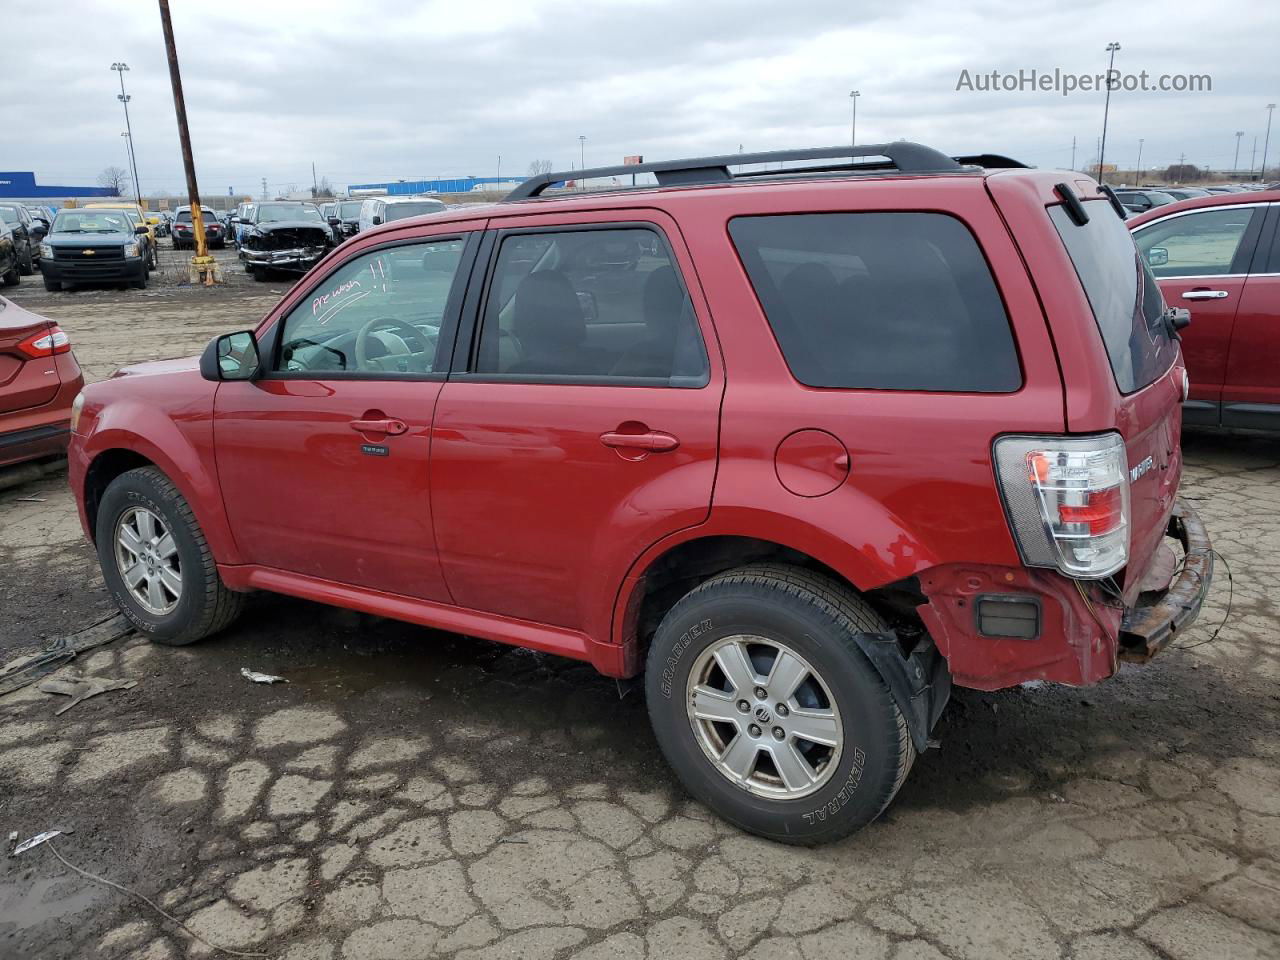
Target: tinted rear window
890,301
1123,294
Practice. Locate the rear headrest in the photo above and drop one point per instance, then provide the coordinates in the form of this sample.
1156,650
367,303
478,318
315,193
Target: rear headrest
663,300
546,314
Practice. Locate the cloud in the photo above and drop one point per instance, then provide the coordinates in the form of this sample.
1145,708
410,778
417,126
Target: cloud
384,90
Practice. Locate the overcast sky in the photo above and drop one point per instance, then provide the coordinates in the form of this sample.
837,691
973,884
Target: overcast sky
385,90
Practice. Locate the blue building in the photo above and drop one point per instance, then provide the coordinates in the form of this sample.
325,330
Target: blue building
21,185
447,185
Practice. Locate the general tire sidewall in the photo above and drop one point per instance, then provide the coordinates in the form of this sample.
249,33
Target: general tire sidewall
867,770
134,492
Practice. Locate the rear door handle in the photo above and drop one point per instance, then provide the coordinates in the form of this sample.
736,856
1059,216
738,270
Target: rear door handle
390,427
655,441
1205,295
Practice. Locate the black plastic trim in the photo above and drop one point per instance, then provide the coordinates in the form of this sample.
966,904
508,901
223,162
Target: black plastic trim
33,434
919,682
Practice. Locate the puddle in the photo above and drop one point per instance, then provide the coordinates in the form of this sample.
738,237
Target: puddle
28,904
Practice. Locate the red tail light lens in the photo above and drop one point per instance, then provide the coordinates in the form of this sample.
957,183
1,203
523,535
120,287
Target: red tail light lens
52,341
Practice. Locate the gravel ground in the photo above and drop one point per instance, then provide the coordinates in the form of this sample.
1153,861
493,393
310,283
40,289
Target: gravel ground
416,794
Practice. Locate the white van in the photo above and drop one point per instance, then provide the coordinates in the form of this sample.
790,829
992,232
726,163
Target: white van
379,210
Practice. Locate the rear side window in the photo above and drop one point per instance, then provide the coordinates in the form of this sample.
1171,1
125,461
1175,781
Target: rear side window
888,301
1123,294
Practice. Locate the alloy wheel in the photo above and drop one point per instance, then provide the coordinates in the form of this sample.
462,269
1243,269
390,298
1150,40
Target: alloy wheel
147,559
764,717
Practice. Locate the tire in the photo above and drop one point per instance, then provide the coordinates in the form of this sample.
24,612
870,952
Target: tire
259,273
153,260
141,282
27,266
813,618
12,277
53,286
204,605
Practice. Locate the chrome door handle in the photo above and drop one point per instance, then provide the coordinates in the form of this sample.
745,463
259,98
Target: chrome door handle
1205,295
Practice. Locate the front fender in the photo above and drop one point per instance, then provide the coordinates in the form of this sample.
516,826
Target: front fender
181,445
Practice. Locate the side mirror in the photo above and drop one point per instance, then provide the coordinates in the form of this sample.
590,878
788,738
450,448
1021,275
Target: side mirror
1157,256
334,222
232,356
141,230
376,221
39,229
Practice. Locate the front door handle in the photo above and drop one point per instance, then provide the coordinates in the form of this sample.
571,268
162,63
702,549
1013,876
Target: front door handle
1205,295
390,427
655,441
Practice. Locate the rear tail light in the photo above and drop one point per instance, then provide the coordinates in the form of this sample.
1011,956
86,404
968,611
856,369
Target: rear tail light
1068,501
46,344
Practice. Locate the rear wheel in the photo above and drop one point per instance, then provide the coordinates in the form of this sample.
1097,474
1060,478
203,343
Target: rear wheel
768,710
156,562
12,277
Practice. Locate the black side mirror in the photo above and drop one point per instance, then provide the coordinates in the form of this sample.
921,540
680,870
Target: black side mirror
140,230
334,221
232,356
39,229
376,221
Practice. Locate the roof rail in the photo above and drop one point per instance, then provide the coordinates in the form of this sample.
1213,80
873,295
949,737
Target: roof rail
903,156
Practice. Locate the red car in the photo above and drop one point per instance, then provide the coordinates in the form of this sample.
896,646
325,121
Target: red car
1219,256
801,447
39,380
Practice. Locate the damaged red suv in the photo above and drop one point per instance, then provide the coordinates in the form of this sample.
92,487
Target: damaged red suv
800,447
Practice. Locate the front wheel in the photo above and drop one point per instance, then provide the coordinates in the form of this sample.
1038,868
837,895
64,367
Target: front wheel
767,709
157,563
27,266
52,285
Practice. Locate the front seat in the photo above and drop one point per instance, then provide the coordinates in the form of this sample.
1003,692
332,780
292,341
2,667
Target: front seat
547,320
663,303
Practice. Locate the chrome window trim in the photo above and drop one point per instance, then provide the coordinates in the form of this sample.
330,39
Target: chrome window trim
1216,206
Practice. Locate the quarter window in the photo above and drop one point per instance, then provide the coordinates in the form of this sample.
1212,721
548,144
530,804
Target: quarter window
378,314
590,304
889,301
1202,244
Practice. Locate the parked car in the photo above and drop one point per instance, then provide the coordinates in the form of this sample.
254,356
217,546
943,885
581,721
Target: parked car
348,218
41,214
1184,193
215,233
284,235
138,217
1219,256
1138,201
932,437
241,221
27,233
378,210
39,381
10,262
89,246
1226,188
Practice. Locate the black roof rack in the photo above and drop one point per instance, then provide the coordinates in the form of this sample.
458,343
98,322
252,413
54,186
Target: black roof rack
902,155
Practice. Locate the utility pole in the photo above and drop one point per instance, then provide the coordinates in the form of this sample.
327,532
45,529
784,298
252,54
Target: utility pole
582,160
314,186
203,267
498,184
1235,164
853,123
1073,153
120,68
264,189
1262,172
1138,172
1253,156
1106,110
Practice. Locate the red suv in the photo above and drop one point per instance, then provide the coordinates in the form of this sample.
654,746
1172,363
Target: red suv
1219,256
803,447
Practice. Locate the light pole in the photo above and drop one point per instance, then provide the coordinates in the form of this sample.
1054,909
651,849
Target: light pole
1262,171
1138,172
582,160
853,122
120,68
1235,164
1106,110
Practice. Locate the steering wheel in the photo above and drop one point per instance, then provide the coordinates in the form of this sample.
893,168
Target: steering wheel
416,364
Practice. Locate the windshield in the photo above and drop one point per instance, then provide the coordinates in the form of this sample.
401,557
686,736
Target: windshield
91,221
287,211
412,208
1125,298
350,209
9,215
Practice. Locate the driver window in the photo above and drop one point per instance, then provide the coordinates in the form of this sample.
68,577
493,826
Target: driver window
377,314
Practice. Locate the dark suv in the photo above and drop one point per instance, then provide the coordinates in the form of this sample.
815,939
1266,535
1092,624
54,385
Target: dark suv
799,447
27,234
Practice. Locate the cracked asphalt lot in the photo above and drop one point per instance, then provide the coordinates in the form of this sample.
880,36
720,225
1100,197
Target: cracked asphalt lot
413,794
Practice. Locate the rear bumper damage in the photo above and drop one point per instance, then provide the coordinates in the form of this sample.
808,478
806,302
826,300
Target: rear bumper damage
1152,623
1082,635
